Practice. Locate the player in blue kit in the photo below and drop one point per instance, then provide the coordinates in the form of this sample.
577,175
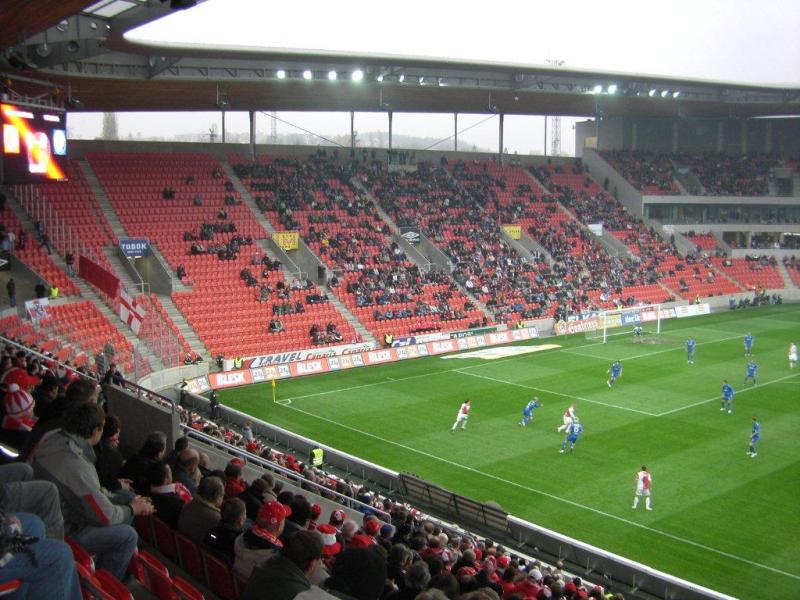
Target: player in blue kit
752,371
727,396
748,344
755,436
527,412
690,346
574,431
614,372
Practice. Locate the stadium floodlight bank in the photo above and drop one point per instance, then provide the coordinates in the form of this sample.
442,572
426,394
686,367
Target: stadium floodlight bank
633,321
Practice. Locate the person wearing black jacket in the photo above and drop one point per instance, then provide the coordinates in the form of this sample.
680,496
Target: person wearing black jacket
220,539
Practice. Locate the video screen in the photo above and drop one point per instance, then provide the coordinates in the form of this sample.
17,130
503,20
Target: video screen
34,144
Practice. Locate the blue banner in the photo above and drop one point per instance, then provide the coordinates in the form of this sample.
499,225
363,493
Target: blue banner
135,248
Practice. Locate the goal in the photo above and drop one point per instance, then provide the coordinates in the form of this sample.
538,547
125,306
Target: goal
623,321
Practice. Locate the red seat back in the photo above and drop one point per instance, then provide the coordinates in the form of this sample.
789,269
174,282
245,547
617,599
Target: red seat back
220,579
157,575
113,586
190,557
165,539
185,590
80,554
91,587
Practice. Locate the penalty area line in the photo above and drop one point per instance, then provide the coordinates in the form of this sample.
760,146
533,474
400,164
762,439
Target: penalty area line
551,496
738,392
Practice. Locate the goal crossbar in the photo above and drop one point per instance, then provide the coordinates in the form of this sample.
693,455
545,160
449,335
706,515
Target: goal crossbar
634,321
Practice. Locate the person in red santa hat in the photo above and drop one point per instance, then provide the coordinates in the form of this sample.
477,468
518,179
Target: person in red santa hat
19,419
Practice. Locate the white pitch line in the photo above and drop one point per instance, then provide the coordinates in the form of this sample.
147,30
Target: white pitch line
717,397
482,364
538,389
645,355
552,496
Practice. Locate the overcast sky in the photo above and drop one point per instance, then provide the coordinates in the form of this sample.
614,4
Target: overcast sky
748,41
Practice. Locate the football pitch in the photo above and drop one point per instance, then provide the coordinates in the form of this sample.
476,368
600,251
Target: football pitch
720,518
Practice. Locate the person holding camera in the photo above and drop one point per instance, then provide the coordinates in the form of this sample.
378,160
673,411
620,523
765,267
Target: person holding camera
45,567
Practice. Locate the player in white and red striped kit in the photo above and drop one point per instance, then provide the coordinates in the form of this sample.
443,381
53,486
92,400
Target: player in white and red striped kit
569,417
463,415
644,482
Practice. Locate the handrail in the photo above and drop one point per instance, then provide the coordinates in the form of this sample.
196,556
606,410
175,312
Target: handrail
251,458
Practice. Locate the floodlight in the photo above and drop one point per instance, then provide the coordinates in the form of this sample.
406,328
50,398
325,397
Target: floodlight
612,89
402,78
380,78
280,74
332,75
307,74
598,89
421,80
676,93
664,93
357,75
651,93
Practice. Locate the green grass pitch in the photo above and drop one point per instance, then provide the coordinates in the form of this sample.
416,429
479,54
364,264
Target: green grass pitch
720,518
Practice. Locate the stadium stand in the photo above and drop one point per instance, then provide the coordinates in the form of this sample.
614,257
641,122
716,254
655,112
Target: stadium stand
33,253
71,208
214,237
649,172
373,276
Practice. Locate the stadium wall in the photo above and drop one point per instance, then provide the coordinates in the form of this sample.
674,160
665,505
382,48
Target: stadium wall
735,136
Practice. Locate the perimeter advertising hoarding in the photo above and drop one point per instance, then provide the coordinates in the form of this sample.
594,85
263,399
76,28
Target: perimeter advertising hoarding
324,364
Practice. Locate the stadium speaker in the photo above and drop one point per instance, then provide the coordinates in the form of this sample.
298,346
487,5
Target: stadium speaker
321,274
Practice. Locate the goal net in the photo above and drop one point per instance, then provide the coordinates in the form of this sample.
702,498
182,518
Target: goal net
636,322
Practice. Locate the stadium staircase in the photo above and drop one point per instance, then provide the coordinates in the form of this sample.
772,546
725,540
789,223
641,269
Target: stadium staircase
247,197
102,199
88,292
48,267
611,244
788,282
413,257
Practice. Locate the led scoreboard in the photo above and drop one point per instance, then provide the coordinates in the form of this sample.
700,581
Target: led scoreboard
34,144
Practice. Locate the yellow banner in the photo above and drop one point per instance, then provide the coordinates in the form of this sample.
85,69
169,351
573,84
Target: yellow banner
287,240
513,231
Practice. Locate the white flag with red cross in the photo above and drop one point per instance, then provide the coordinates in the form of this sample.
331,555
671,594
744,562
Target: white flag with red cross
130,312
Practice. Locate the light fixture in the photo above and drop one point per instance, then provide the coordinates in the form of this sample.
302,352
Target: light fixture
380,78
651,93
332,75
676,93
598,89
402,78
441,81
421,80
307,74
357,75
612,89
280,74
664,93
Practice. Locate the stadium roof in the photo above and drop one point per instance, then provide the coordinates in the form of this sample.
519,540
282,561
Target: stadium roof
81,49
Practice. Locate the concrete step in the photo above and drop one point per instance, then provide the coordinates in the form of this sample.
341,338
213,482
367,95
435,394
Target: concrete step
120,270
787,279
141,346
195,343
102,199
247,198
357,325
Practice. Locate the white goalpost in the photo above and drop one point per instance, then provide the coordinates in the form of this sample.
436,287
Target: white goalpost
637,322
